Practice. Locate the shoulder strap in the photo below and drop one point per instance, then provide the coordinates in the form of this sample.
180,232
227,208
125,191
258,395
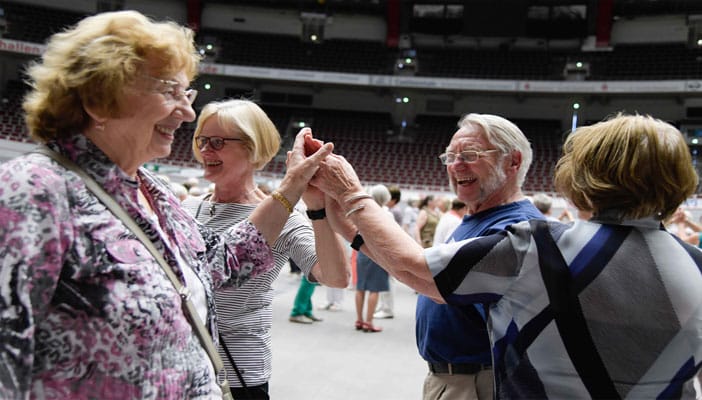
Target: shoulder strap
569,316
234,366
118,211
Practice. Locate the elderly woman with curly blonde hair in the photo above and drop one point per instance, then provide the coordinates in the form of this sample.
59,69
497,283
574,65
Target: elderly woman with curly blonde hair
87,308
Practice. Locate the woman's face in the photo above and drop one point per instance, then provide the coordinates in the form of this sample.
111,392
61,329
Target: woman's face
229,164
154,109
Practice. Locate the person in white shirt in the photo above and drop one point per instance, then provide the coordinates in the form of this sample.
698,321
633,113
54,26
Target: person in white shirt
449,221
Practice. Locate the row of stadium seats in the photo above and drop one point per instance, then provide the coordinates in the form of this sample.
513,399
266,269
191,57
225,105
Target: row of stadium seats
361,137
625,62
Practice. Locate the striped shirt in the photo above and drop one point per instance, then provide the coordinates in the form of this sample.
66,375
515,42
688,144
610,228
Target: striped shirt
639,287
245,314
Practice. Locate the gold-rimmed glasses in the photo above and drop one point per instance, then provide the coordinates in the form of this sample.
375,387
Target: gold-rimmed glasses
173,91
464,156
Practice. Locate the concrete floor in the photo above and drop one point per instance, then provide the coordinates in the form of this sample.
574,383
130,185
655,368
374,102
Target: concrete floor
330,360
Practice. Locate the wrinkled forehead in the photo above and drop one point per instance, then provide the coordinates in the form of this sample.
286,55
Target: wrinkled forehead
469,137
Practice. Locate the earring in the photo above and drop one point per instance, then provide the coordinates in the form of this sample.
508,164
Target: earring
100,126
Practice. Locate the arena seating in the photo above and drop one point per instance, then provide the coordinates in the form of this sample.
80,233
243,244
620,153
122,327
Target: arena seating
490,64
370,140
35,23
12,125
284,51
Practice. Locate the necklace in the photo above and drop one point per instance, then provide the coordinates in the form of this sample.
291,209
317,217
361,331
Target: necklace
213,204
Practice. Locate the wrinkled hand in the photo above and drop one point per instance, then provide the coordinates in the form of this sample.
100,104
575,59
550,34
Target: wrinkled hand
300,169
337,178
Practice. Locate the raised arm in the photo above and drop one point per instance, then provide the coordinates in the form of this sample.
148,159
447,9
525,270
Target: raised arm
270,216
333,267
384,241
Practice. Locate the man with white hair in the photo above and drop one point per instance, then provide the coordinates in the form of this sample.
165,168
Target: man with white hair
486,161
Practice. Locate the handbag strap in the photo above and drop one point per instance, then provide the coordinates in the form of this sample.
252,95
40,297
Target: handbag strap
236,369
184,293
569,316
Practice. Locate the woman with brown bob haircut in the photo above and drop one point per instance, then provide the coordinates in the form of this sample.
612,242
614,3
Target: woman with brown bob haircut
630,166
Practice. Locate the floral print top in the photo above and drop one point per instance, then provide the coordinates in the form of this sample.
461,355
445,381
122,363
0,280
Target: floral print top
85,311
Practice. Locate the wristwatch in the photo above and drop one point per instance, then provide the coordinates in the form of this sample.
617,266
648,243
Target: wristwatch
357,242
316,214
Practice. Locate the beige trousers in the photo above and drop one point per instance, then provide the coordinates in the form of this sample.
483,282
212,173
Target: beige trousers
459,386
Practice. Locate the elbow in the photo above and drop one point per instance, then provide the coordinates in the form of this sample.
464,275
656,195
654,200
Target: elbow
340,283
335,279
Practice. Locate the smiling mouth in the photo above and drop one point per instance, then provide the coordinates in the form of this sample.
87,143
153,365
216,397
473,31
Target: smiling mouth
465,181
212,163
165,131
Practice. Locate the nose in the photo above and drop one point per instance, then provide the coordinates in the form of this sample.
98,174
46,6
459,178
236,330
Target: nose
458,163
184,110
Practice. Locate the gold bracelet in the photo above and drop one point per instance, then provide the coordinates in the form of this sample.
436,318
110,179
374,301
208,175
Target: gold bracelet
282,200
353,210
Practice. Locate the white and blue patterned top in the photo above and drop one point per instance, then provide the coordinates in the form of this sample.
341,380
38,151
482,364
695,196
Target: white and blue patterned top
639,288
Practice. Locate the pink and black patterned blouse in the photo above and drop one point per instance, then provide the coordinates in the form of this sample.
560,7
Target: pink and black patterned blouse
85,310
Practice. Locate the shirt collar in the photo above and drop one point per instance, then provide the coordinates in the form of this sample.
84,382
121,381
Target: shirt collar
613,217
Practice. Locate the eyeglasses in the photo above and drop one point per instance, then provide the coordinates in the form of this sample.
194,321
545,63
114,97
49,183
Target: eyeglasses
464,156
173,92
215,142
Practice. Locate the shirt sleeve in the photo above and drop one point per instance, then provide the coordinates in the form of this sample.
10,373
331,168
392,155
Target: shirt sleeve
35,232
238,255
478,270
297,241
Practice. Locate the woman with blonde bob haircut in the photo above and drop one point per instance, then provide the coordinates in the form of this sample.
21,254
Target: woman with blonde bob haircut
234,139
260,136
605,308
87,308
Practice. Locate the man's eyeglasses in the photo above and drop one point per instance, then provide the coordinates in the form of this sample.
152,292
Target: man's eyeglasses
215,142
464,156
173,92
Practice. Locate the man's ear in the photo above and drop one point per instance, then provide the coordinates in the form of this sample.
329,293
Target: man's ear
515,160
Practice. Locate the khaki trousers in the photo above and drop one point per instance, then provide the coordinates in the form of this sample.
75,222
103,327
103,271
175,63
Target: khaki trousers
459,386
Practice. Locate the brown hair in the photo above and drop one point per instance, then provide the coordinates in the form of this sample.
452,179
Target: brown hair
636,165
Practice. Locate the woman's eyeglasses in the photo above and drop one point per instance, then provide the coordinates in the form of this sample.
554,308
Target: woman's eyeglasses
173,92
464,156
215,142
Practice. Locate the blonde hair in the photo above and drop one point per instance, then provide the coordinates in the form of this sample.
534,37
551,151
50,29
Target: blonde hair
91,63
260,136
636,165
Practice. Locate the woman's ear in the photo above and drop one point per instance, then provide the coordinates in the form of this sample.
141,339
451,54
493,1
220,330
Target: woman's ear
97,120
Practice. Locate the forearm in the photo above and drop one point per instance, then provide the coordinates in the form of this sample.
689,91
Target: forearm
269,217
333,268
388,245
693,225
272,213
